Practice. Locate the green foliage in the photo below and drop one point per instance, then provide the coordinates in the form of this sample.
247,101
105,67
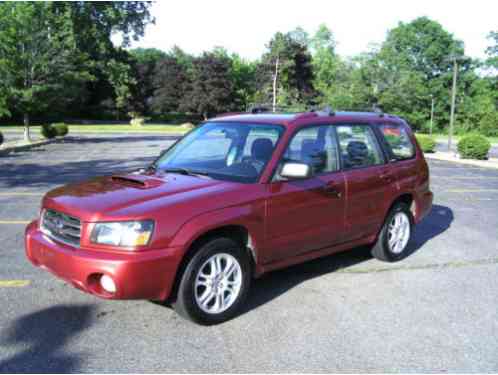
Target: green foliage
60,129
288,56
426,143
39,61
170,77
48,131
474,146
492,50
209,89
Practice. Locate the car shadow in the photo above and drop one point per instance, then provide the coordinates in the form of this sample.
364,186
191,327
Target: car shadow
276,283
44,336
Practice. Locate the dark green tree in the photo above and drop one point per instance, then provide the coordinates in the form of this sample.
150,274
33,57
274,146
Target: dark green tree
285,74
170,83
210,88
145,63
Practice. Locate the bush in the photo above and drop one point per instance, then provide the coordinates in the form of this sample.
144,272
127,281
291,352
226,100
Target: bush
60,129
474,146
48,131
187,126
426,142
1,138
137,119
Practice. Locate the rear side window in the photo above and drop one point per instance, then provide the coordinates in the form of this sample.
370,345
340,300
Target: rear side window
358,146
399,141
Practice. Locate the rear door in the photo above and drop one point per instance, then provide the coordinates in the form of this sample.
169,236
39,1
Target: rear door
370,184
306,215
401,153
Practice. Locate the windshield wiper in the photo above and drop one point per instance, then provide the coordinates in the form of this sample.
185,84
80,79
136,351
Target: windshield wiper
185,171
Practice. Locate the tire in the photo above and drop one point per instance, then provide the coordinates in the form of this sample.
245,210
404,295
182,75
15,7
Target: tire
388,249
208,296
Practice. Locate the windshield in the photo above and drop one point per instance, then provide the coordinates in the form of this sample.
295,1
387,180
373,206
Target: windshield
221,150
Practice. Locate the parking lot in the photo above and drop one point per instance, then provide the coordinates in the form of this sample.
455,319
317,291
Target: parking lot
434,311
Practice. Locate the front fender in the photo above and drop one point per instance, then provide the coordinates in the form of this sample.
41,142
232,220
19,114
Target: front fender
249,216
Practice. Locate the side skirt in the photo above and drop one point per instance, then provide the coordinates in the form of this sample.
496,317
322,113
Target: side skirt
301,258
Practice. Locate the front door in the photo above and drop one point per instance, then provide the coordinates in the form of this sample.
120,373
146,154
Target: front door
306,215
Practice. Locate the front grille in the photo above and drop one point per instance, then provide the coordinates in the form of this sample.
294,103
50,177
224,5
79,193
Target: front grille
61,227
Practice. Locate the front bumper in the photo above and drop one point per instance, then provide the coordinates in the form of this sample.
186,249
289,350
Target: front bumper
148,274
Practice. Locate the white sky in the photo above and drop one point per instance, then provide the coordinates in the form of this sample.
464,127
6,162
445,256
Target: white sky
245,27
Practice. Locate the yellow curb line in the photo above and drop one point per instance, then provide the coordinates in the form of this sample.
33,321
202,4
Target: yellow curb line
14,283
14,222
472,191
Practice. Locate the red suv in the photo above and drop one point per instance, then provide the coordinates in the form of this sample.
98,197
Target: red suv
235,198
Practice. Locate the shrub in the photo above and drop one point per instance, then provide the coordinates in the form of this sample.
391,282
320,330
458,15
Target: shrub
48,131
1,138
187,126
426,142
474,146
137,119
60,129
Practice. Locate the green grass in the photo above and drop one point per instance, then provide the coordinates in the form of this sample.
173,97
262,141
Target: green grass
171,129
444,137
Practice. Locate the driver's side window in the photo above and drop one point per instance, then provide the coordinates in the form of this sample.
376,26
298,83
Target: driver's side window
315,146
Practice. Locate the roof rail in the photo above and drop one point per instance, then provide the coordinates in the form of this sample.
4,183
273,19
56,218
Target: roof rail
326,111
376,109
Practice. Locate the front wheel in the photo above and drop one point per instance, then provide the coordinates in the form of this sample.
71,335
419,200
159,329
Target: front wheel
395,234
215,282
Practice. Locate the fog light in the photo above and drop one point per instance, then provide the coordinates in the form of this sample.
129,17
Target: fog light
107,283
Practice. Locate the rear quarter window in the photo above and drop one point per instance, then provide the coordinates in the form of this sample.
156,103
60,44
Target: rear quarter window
399,142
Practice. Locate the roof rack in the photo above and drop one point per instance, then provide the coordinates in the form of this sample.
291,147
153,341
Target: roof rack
256,108
325,111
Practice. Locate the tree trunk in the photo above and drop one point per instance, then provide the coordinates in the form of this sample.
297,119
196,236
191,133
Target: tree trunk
275,81
27,135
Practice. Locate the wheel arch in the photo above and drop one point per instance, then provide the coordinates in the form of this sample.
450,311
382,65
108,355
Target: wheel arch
237,232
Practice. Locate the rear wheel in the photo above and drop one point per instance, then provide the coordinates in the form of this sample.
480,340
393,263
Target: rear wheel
395,234
215,282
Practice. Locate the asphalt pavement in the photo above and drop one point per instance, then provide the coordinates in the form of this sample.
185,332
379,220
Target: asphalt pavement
436,311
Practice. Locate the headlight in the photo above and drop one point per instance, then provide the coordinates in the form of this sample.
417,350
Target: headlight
125,233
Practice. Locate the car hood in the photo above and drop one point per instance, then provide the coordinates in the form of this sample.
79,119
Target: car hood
131,196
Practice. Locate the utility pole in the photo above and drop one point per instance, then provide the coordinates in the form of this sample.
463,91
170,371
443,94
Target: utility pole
453,98
432,114
275,82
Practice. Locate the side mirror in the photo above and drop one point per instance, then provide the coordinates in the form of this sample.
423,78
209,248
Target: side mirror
294,171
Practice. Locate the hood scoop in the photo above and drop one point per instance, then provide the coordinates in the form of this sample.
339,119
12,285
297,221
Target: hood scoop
137,181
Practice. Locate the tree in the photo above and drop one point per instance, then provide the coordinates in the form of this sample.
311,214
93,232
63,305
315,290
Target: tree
492,50
243,74
285,73
41,66
326,65
94,24
209,89
145,62
169,86
411,65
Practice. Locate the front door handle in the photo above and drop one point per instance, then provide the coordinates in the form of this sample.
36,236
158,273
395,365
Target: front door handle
331,190
388,177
